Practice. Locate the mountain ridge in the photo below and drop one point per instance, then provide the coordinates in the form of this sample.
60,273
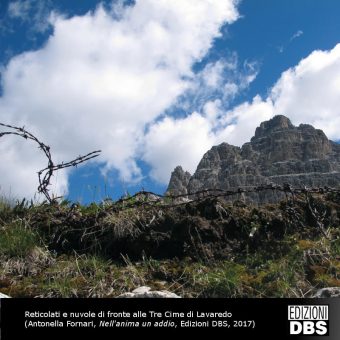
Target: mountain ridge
279,153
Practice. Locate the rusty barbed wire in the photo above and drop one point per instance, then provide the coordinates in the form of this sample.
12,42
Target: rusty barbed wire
150,200
46,174
193,197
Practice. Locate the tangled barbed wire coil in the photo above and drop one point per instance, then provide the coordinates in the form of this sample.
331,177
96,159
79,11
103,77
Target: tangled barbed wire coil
46,174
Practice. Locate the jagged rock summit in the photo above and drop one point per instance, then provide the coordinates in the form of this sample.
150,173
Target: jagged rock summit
179,181
279,153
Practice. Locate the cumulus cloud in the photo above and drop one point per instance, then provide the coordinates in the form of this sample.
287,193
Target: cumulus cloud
101,78
172,142
307,93
183,141
111,79
310,91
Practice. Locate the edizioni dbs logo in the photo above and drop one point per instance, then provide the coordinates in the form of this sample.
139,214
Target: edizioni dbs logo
308,320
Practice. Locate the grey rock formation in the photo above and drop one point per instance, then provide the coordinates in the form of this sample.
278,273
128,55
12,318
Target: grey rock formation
179,181
328,292
4,296
146,292
279,153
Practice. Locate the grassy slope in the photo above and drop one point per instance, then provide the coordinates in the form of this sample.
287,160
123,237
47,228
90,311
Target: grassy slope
66,251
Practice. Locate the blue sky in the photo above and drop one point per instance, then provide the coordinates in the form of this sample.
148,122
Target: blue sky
156,83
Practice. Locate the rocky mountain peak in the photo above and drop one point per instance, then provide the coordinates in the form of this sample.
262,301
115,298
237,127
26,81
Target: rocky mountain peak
277,123
279,153
179,181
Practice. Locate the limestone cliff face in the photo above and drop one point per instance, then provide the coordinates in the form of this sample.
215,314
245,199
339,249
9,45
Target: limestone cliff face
179,182
279,153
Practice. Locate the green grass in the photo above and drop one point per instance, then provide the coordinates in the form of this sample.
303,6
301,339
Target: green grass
93,276
34,261
17,240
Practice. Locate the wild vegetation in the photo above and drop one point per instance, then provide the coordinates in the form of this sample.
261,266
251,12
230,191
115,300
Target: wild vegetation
209,247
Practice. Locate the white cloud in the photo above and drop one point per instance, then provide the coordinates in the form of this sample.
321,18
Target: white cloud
212,111
307,93
310,92
212,74
238,125
173,142
100,80
184,141
19,165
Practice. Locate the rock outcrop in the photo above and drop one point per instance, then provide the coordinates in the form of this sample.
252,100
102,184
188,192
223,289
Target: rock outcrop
328,292
279,153
4,296
146,292
179,181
